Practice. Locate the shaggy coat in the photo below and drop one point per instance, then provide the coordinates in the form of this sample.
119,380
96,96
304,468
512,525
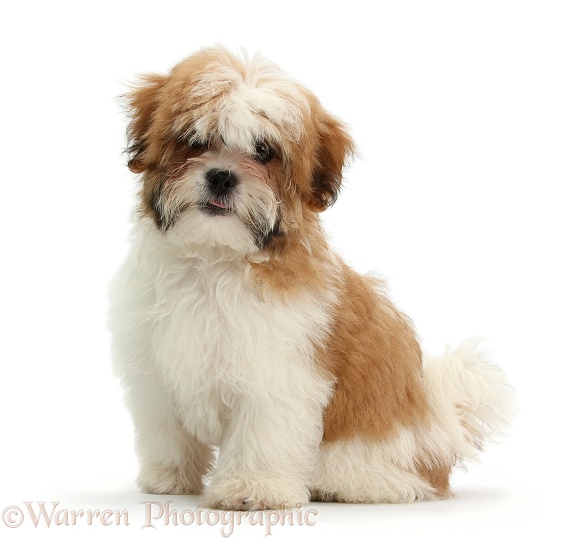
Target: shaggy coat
236,327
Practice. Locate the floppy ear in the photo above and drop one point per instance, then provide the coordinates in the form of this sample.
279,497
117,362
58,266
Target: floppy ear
142,103
334,147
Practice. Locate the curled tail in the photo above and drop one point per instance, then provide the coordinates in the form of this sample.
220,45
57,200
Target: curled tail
470,400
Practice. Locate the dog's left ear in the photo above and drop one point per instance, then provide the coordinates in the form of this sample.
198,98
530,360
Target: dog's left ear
333,149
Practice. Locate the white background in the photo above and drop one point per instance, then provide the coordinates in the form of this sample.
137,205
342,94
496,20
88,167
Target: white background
459,199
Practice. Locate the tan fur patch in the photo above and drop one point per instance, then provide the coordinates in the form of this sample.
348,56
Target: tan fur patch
438,477
373,354
297,261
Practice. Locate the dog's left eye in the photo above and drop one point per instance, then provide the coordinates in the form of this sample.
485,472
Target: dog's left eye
199,145
263,152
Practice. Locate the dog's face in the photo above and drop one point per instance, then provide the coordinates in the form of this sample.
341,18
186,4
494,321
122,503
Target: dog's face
233,153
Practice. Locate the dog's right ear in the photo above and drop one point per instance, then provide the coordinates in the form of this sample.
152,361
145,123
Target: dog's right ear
142,103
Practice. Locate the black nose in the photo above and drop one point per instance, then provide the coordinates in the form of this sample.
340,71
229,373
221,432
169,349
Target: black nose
221,182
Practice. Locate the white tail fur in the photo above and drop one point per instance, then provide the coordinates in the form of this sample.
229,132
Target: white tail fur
469,397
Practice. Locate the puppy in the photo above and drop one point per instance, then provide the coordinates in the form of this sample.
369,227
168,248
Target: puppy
236,327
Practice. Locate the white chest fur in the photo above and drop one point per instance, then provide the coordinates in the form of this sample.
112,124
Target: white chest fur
214,343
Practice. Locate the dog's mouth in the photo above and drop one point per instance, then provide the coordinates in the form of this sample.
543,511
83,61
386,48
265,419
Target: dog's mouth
216,207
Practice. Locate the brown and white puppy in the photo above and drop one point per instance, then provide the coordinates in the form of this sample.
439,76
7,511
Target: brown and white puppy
235,326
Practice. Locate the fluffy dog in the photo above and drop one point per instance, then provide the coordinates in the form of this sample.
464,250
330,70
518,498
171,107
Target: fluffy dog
235,326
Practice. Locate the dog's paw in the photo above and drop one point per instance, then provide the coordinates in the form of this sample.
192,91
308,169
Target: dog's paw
253,493
171,480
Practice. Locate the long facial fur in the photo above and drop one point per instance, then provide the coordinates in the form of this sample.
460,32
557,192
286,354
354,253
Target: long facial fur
211,106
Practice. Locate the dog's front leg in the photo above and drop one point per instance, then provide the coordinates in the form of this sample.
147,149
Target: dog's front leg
171,460
269,448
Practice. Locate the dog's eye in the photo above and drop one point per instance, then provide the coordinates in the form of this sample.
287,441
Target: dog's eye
263,152
199,145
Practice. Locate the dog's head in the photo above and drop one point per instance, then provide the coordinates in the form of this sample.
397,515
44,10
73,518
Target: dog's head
233,152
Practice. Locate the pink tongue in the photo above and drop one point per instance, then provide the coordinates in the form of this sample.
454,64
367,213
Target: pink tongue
219,204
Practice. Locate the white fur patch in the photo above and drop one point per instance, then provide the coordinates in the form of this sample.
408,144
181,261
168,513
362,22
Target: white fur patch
263,103
203,356
361,471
